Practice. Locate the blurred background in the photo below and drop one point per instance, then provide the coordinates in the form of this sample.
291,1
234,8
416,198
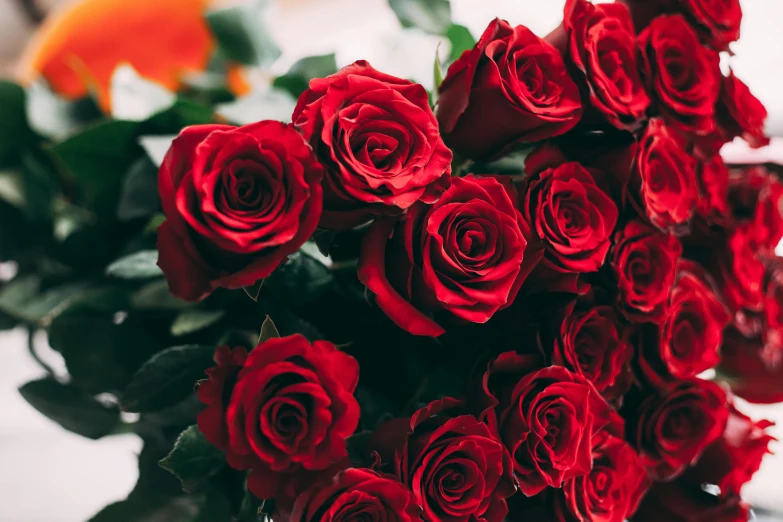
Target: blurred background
48,474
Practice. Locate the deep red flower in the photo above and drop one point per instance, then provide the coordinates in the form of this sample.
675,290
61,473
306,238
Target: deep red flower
670,429
741,272
678,501
644,261
511,88
465,256
458,471
238,201
682,76
356,495
547,419
379,141
285,413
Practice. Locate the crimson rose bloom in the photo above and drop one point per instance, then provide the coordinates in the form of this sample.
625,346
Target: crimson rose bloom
611,491
740,272
773,314
688,341
547,419
714,179
664,186
457,470
678,501
379,141
682,75
512,87
601,45
570,213
238,201
356,495
732,460
767,220
739,113
286,410
747,368
593,344
644,261
671,429
466,256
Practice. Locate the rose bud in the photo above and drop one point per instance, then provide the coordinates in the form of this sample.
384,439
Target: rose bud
463,257
238,201
379,141
747,370
682,76
717,23
599,42
547,419
681,502
593,344
356,495
457,470
644,261
284,411
611,491
511,88
688,341
672,428
732,460
663,186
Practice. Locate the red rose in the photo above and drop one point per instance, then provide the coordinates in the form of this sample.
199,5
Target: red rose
671,429
611,491
773,314
465,256
740,272
601,45
238,201
511,88
767,220
547,419
732,460
287,410
688,340
663,186
592,344
569,210
356,495
457,470
644,261
682,75
747,371
714,181
681,502
379,141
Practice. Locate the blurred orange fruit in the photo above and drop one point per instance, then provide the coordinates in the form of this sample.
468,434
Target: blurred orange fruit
80,44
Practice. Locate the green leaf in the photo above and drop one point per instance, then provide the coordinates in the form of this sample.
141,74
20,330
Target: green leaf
140,265
71,408
254,290
461,40
23,299
155,221
301,280
156,296
55,117
269,104
241,35
166,378
134,98
298,77
14,132
97,158
268,330
156,148
432,16
12,188
193,459
189,321
139,196
437,75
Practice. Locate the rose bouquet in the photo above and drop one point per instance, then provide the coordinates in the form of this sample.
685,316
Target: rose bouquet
528,295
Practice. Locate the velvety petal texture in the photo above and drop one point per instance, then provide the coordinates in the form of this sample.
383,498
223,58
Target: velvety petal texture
465,256
512,87
379,141
238,201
